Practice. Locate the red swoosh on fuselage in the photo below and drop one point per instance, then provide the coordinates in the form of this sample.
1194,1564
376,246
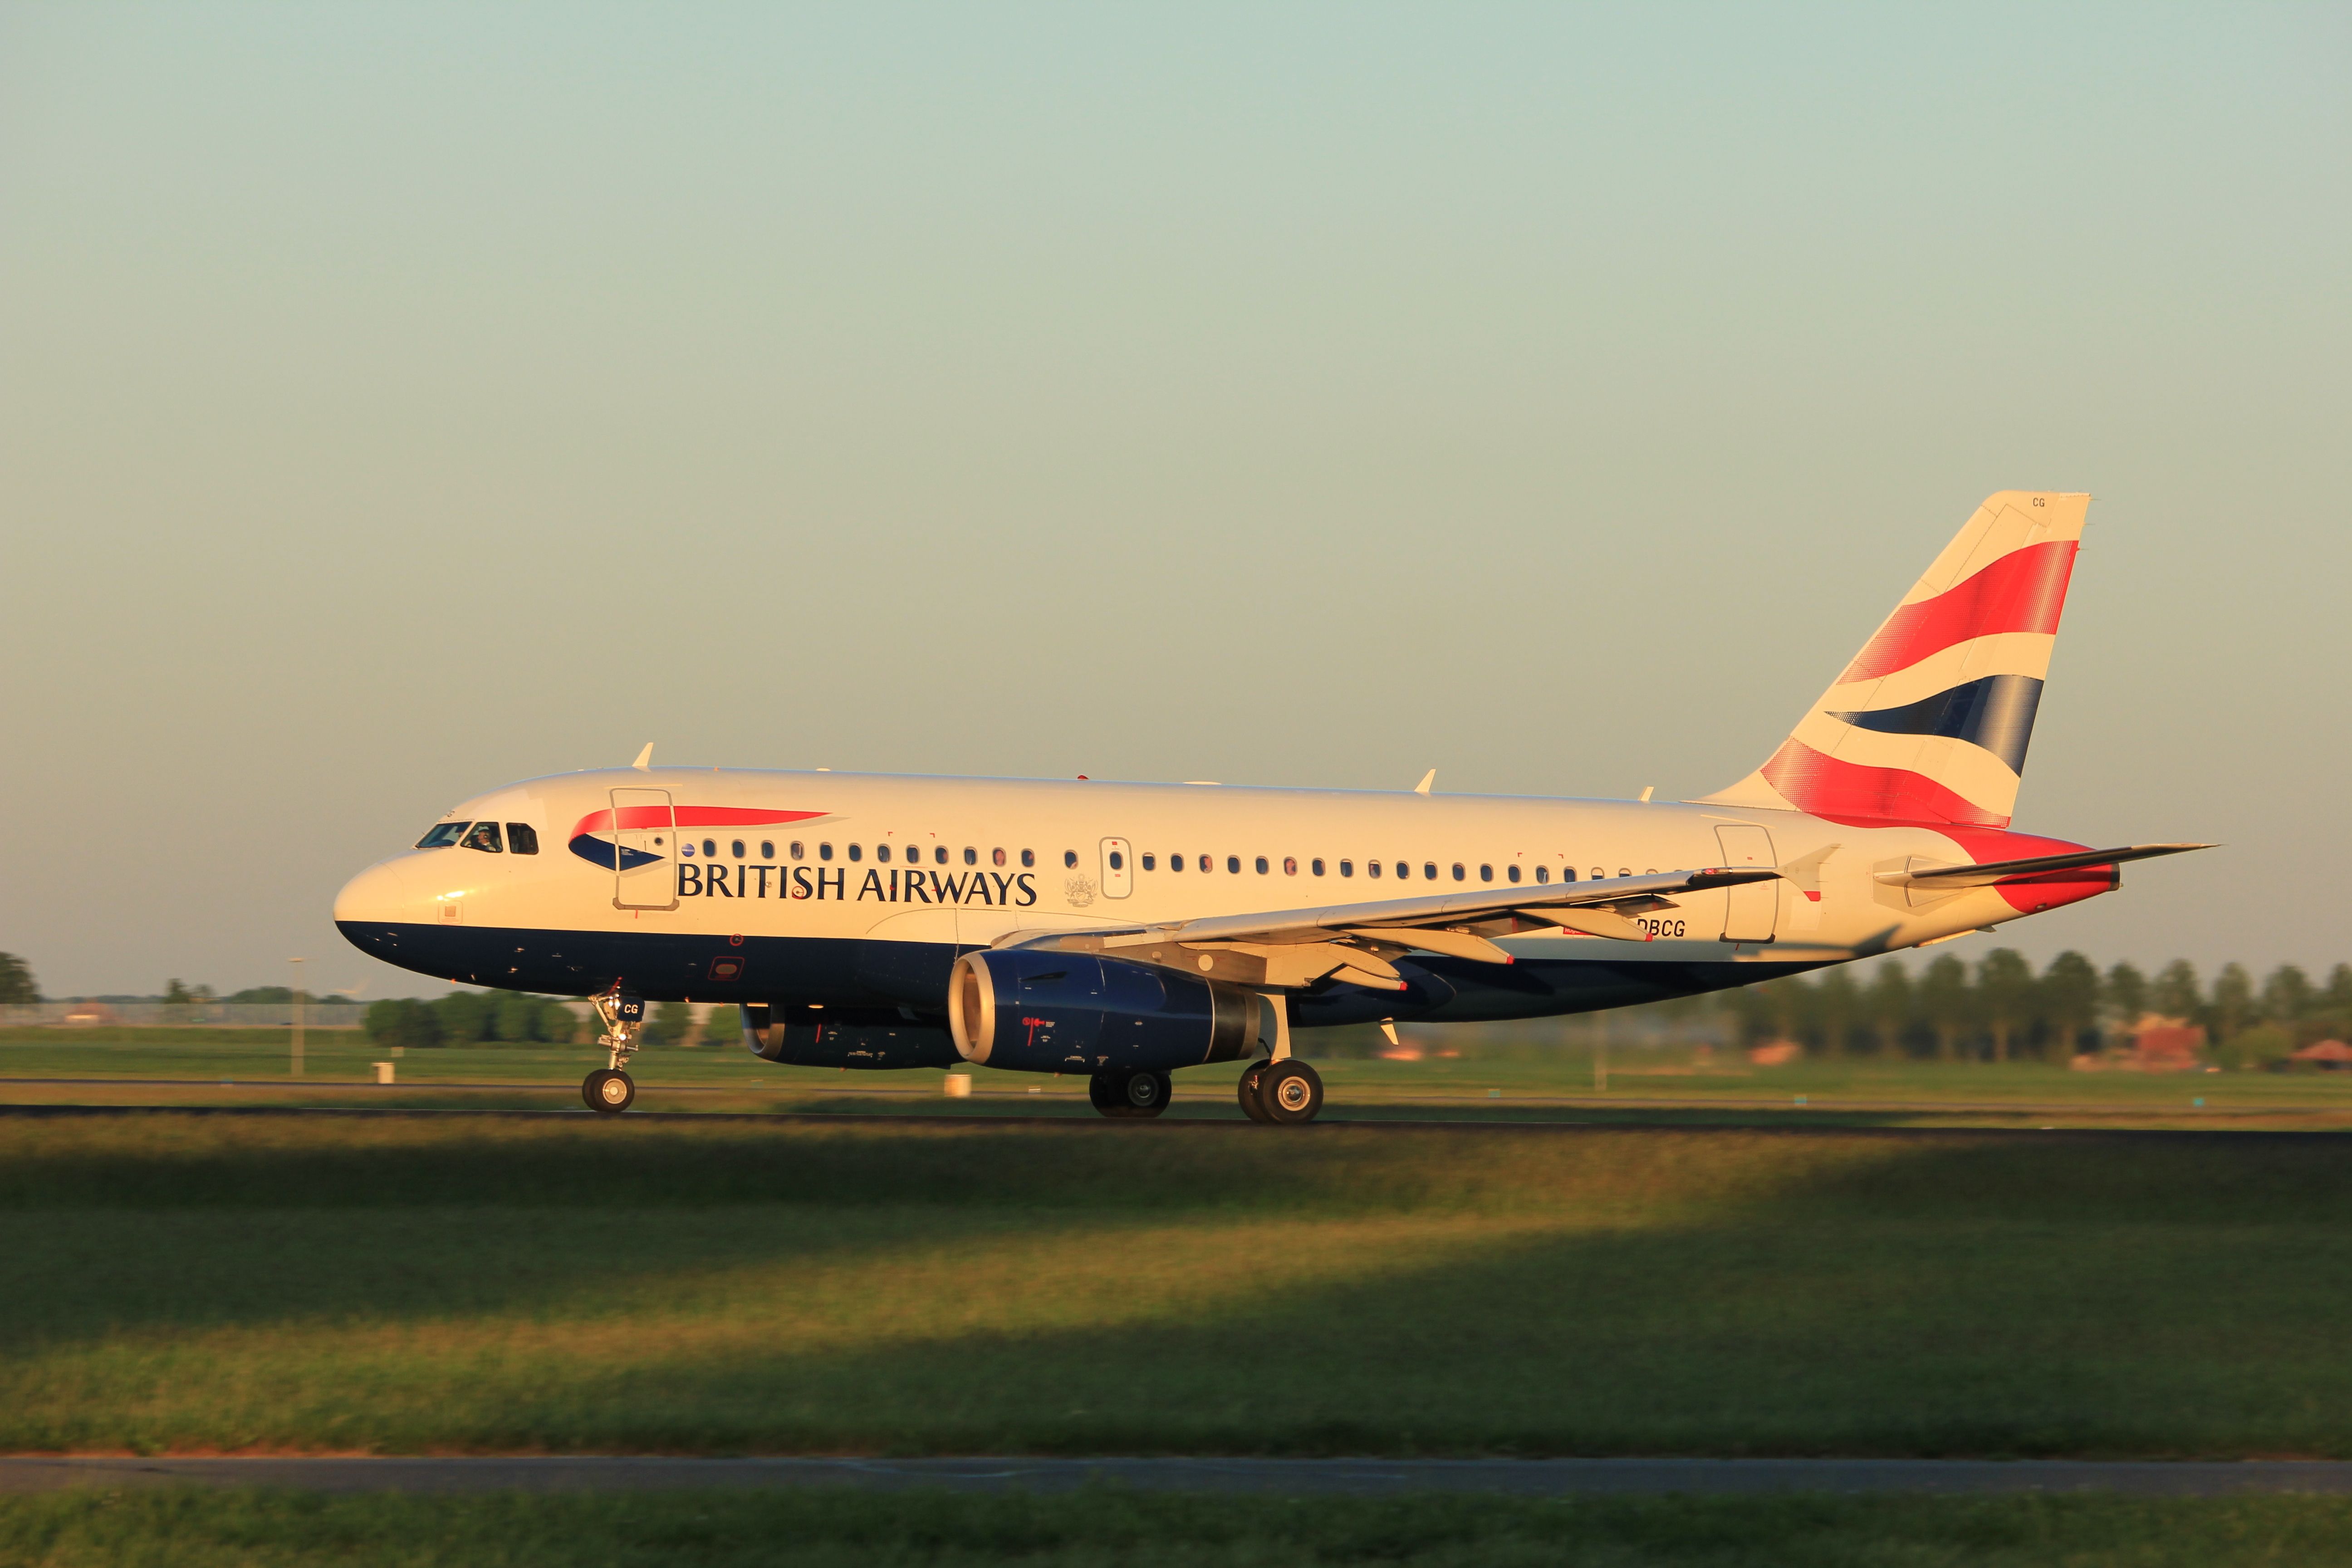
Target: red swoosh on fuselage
687,816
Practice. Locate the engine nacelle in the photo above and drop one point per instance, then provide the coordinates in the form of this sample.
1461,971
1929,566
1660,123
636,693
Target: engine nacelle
844,1038
1044,1010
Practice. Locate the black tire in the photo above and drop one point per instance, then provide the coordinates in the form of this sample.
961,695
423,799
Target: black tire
1104,1093
1146,1093
608,1092
1292,1092
1247,1091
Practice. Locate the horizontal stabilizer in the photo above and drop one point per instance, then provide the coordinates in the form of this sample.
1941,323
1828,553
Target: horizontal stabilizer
1986,875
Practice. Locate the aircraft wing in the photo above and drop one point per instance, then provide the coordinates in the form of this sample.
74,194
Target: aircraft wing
1357,942
1984,876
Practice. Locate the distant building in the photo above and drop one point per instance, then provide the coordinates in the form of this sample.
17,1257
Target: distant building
2167,1044
2333,1055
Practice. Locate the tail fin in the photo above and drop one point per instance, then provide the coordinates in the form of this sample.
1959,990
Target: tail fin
1930,721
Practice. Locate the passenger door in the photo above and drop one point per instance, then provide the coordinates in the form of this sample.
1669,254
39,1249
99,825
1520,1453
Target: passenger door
1750,908
645,850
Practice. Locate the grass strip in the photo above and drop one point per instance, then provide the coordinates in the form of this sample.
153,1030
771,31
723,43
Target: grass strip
815,1528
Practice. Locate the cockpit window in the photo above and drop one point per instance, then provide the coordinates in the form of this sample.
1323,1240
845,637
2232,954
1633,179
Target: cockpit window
444,834
485,837
522,839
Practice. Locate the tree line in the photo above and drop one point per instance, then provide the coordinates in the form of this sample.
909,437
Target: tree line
1998,1010
508,1017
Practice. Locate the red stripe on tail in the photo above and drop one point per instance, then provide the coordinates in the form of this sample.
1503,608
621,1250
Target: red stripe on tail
2024,591
1817,783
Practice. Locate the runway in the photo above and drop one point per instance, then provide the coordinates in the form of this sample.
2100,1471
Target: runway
1330,1122
1331,1478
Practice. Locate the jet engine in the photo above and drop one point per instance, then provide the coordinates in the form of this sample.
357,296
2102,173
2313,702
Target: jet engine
1045,1010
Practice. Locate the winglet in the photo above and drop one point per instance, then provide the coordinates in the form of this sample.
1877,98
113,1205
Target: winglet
645,759
1427,779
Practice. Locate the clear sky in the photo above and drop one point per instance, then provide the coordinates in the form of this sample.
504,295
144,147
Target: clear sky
399,400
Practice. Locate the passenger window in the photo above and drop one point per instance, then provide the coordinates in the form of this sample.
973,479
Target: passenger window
1118,861
485,837
1487,874
971,855
996,856
1404,871
1543,876
939,854
1028,858
1289,867
1429,870
442,834
1624,870
1175,862
1261,866
1600,874
767,848
858,852
1347,868
1069,859
711,847
1371,868
882,852
522,839
796,849
1514,873
1457,871
1233,865
1205,863
1316,867
738,847
825,851
1149,862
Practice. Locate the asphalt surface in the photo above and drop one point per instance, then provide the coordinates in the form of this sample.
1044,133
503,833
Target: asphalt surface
1341,1478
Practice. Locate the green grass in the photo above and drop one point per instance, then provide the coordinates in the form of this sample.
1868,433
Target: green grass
405,1285
186,1528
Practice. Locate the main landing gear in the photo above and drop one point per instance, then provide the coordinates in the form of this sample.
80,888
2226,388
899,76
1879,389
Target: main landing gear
1129,1094
609,1090
1287,1092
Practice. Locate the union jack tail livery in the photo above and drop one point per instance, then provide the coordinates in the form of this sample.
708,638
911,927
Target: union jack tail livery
1930,723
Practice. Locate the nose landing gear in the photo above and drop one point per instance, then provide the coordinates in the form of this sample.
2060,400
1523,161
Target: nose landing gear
609,1090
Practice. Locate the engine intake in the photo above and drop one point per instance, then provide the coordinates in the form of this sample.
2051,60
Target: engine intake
1041,1010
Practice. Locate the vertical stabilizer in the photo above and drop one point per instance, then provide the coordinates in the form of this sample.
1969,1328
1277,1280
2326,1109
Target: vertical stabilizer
1930,720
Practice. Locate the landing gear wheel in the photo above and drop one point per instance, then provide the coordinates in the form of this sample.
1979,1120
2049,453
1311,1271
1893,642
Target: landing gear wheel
1250,1089
1128,1095
607,1091
1291,1092
1146,1093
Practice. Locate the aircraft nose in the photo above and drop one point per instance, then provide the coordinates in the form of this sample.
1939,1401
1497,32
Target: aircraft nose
382,893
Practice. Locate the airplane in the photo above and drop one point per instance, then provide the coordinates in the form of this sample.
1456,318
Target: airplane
1125,931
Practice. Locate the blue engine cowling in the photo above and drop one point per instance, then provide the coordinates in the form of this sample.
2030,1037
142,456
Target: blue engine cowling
1045,1010
844,1037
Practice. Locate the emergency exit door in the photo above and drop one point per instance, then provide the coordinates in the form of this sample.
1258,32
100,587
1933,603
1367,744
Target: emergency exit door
1117,868
1749,907
645,850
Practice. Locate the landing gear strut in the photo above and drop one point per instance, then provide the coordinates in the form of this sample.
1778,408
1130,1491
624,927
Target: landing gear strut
1129,1094
609,1090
